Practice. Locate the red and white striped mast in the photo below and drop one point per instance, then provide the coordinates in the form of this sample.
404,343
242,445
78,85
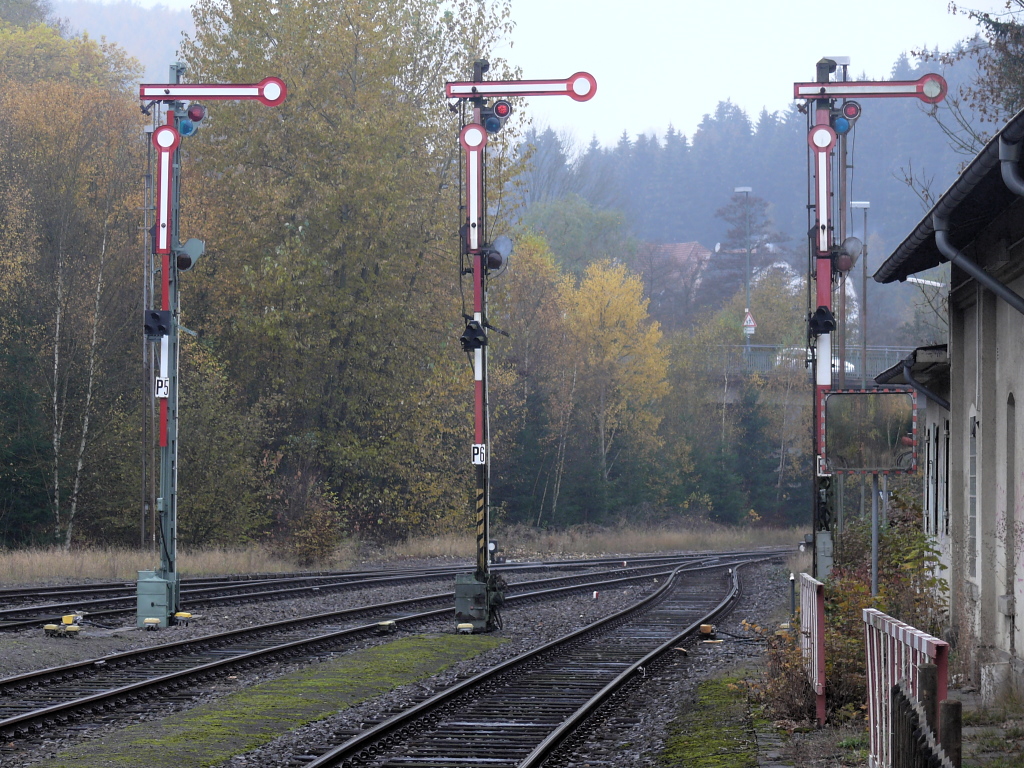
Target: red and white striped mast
477,594
159,592
822,138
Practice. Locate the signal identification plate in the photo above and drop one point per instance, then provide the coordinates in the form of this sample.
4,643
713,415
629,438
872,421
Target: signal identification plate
479,453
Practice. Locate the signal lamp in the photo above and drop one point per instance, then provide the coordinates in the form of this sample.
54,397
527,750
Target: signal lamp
847,253
493,117
844,118
496,255
473,337
188,253
156,323
822,321
191,120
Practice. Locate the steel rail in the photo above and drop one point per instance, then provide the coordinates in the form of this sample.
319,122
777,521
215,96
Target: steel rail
240,580
366,745
245,594
39,718
571,725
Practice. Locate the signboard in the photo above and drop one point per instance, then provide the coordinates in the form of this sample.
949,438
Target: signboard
870,431
479,453
749,326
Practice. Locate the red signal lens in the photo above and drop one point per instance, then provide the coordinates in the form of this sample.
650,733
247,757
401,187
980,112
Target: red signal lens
196,112
502,109
851,110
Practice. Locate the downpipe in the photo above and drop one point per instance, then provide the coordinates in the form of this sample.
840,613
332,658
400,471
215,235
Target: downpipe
908,376
955,255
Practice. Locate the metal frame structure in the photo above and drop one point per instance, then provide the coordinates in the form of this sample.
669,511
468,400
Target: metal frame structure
830,198
159,592
479,595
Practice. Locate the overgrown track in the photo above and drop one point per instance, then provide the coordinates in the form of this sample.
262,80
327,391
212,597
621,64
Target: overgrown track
39,701
519,712
112,602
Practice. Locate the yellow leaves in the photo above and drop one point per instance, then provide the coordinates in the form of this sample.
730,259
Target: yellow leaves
609,331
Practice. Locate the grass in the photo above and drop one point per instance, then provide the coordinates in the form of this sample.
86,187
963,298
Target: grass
716,732
213,732
524,541
28,566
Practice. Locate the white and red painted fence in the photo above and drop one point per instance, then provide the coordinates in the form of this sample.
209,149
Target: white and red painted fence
894,651
812,638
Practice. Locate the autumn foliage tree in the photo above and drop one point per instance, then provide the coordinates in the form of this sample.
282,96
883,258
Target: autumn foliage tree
68,142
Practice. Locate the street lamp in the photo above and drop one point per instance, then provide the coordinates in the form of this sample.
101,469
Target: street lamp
864,206
746,276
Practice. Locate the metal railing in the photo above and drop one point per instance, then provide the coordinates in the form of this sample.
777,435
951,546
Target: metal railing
812,638
768,359
895,652
915,726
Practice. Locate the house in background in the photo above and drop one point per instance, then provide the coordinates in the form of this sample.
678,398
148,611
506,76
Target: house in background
978,225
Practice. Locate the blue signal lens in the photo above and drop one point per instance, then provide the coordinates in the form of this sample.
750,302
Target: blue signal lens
492,124
186,127
840,125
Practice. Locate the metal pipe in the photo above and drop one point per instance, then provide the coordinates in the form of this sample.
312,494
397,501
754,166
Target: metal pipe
955,255
1009,157
874,534
908,376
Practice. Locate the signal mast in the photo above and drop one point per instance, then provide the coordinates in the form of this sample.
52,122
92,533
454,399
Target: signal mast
479,595
159,592
833,253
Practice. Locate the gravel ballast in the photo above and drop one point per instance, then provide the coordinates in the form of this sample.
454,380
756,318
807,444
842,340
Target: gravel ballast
765,596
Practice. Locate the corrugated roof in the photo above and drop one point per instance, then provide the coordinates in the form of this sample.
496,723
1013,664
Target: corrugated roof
970,204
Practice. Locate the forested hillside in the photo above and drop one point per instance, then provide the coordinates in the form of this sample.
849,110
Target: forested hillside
324,393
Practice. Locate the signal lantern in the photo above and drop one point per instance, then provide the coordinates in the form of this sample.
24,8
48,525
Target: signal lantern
493,117
844,118
193,118
187,254
474,337
156,323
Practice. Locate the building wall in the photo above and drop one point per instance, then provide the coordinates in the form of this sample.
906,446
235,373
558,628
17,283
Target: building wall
987,470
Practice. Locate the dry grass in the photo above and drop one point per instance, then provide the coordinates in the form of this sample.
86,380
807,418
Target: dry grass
521,541
33,566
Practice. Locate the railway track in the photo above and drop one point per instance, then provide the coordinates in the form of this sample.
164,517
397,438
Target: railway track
519,713
38,702
113,601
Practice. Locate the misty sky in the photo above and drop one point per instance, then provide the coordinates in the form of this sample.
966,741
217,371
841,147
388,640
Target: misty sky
661,61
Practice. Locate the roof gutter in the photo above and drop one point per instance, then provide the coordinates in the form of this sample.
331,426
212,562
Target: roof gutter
946,248
908,376
996,152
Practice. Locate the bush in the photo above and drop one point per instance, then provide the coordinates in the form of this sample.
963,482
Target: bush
909,589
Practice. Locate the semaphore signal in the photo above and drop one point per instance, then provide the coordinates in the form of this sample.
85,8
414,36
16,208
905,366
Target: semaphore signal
478,596
159,591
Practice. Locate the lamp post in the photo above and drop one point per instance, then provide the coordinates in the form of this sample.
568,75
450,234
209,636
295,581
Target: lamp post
747,331
864,206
